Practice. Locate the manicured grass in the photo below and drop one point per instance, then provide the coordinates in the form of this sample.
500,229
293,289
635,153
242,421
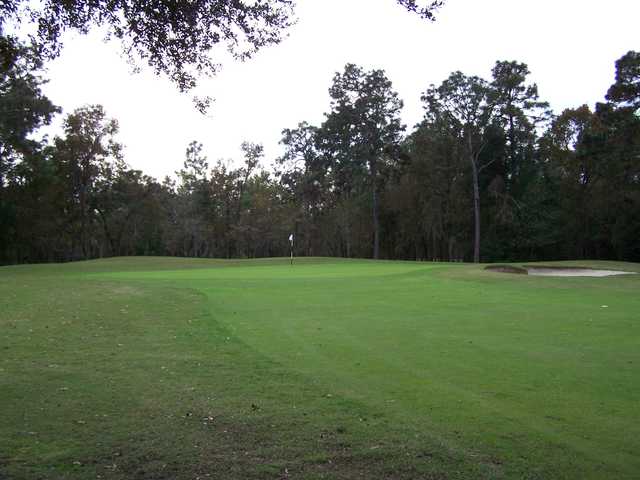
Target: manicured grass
178,368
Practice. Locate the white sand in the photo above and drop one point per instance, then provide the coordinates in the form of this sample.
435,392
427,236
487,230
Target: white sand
573,272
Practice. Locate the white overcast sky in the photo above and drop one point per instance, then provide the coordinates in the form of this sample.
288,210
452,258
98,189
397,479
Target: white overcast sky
569,45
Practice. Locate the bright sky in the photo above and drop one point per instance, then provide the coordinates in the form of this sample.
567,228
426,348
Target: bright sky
569,45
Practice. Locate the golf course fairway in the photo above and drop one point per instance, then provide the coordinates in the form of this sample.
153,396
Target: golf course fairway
170,368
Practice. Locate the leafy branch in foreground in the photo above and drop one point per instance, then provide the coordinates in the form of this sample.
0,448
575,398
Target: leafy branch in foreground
184,41
174,38
425,11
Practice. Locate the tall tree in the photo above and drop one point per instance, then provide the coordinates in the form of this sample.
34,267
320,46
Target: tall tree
432,195
303,173
576,147
465,102
519,115
244,230
519,112
363,128
193,201
253,153
86,155
23,109
36,233
123,200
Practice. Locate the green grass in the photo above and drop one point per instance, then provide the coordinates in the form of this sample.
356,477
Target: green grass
169,368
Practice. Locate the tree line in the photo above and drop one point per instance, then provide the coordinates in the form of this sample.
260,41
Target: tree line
490,173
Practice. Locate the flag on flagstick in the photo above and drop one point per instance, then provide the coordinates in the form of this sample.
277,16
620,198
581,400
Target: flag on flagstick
291,242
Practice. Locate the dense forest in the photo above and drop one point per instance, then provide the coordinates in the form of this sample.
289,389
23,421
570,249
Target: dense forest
490,173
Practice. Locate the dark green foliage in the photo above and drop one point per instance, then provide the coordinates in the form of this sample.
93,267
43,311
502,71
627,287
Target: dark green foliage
23,106
465,105
361,134
23,109
626,90
487,153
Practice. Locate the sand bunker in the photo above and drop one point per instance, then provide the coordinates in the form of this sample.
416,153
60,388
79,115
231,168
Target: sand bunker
553,271
573,272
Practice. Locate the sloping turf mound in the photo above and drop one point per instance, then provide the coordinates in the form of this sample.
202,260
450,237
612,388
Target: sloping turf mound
507,269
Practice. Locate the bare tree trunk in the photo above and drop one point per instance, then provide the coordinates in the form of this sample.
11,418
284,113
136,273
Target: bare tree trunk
348,238
476,213
107,233
434,246
376,220
347,224
476,202
83,223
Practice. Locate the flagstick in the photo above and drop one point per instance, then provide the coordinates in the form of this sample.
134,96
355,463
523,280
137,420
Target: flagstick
291,243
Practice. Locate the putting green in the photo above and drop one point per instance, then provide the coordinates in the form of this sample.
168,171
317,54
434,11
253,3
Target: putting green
505,375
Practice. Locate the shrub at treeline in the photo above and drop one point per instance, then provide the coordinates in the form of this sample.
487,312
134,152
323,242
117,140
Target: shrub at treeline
489,174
